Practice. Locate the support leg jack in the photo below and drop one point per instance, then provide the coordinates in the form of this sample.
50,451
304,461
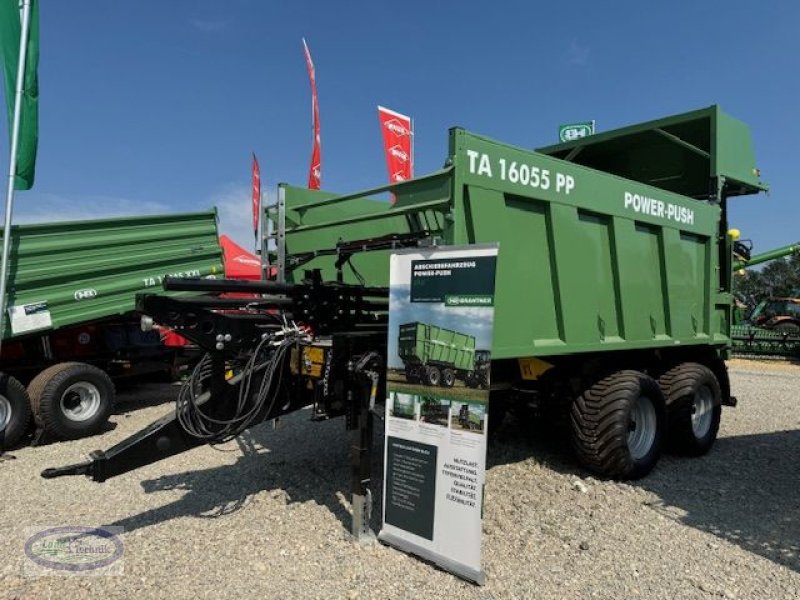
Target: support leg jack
361,463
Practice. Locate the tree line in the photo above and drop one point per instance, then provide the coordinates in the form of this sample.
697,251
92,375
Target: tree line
779,278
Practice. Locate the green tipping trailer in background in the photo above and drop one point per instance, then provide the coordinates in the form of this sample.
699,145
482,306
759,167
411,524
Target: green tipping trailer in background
434,355
70,322
614,273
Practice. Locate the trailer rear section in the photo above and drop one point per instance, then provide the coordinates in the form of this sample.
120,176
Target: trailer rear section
612,300
72,329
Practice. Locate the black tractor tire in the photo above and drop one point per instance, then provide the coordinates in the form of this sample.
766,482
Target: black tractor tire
15,411
411,375
448,378
787,327
71,400
617,425
689,388
433,376
470,380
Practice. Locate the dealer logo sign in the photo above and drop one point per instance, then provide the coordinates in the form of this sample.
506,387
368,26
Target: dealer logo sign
73,550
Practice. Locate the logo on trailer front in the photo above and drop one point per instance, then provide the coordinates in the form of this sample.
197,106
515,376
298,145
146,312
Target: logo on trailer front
85,294
575,131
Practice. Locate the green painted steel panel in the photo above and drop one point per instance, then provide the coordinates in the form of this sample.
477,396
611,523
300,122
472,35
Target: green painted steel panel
425,344
681,153
322,226
588,261
733,153
91,270
591,297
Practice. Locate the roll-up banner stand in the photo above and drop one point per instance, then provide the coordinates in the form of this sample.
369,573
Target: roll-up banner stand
441,318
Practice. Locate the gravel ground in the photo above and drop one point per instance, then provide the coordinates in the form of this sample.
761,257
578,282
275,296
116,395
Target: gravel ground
266,516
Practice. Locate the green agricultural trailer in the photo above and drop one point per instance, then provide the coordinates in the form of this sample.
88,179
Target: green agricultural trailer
71,326
612,303
468,419
434,355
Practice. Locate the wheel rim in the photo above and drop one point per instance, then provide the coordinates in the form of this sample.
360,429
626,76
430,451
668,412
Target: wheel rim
642,428
5,412
702,411
80,401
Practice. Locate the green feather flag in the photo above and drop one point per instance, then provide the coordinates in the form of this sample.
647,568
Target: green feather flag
10,31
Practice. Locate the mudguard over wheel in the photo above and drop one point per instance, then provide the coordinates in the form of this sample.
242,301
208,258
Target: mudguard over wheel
15,410
618,424
71,400
693,408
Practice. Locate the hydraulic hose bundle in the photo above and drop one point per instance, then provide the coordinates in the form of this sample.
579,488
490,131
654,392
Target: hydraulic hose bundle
249,374
259,386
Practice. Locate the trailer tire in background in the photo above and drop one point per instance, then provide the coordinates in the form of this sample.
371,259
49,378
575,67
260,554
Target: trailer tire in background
433,376
448,378
15,410
618,425
694,407
71,399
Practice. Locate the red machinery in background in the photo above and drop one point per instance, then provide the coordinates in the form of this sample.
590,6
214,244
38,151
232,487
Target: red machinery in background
239,264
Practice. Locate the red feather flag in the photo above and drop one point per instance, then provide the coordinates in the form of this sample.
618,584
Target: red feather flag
315,169
397,144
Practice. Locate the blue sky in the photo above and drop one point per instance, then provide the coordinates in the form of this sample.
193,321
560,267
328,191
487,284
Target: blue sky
155,106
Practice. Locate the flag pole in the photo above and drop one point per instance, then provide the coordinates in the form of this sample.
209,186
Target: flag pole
411,122
12,166
258,222
260,243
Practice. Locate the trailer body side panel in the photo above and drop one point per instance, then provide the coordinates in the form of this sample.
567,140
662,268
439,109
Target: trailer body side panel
85,271
608,255
424,344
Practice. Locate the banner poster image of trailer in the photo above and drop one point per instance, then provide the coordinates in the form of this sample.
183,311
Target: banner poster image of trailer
441,320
